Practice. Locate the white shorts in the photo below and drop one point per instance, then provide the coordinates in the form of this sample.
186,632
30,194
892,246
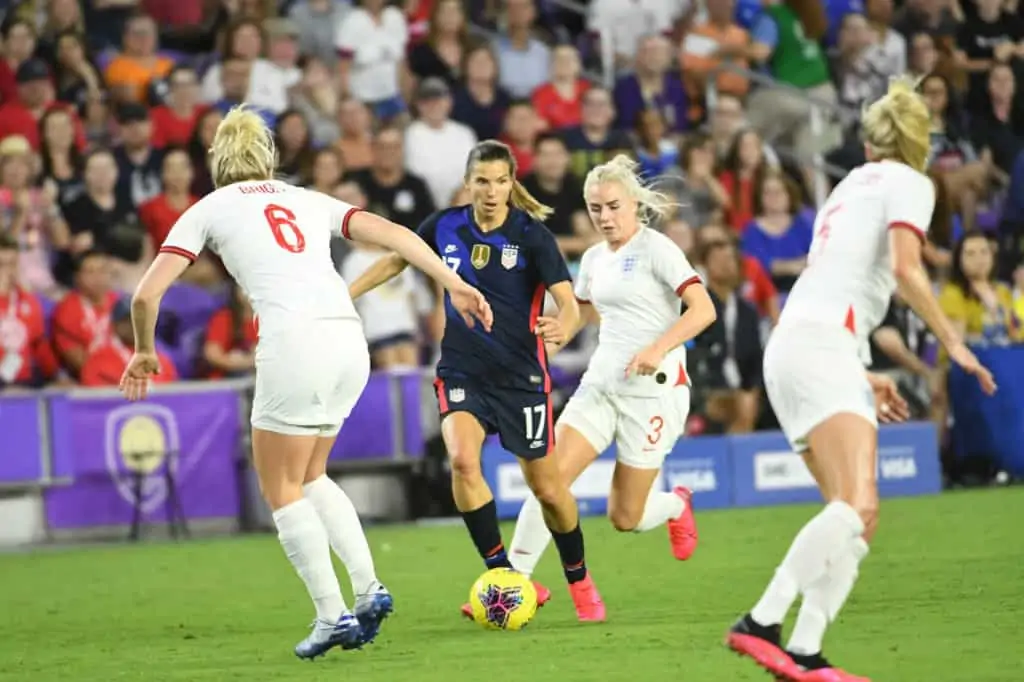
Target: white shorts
309,377
813,372
644,429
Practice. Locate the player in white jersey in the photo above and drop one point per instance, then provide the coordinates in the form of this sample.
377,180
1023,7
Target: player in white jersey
312,361
635,393
868,241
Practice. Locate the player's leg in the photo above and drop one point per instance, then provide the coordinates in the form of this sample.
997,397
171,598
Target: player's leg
585,429
464,410
648,429
281,461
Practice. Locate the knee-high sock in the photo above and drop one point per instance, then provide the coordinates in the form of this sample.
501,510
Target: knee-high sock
338,516
305,543
817,544
531,537
660,508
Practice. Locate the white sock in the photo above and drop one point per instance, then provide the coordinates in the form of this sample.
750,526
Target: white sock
660,508
304,540
825,597
818,543
530,539
339,518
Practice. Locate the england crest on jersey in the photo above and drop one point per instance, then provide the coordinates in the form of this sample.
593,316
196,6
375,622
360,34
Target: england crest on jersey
509,256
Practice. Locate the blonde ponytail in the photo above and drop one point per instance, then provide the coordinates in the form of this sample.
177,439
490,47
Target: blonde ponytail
898,125
526,202
242,149
652,204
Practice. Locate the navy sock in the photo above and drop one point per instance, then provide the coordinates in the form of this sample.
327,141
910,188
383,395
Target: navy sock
482,525
570,549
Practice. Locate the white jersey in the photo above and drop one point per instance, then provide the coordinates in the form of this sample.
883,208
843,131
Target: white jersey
849,277
274,239
636,291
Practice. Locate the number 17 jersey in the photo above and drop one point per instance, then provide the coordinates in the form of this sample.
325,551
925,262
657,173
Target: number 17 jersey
849,278
274,240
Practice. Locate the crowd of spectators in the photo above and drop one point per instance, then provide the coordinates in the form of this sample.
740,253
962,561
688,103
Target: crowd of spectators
107,108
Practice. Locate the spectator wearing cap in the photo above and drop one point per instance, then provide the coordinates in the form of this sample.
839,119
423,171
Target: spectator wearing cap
19,44
175,119
524,62
106,363
371,44
35,97
436,147
129,74
318,21
138,163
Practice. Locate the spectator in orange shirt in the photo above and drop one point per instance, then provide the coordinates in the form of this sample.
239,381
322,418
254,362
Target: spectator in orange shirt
25,354
106,363
174,121
159,214
81,321
129,73
710,43
559,102
231,335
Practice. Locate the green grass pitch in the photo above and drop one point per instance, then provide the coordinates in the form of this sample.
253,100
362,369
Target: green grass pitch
940,598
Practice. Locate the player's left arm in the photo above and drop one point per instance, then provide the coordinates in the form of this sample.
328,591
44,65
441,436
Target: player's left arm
556,331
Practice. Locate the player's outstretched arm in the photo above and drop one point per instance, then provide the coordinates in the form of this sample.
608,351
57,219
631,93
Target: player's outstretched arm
373,229
916,289
386,268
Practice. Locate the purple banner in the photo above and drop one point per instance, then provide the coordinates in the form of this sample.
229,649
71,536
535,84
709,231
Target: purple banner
21,458
370,432
100,441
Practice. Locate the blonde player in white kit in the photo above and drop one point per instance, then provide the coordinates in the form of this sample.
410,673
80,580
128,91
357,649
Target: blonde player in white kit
635,392
311,361
868,241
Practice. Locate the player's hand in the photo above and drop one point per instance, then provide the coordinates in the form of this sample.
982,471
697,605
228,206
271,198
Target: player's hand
472,305
135,380
890,406
645,362
962,355
550,329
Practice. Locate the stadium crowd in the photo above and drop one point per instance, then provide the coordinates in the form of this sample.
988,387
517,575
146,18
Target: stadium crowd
107,108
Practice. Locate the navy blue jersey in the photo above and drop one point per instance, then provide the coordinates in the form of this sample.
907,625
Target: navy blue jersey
512,266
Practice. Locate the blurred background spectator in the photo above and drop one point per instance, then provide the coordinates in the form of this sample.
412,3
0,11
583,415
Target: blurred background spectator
744,112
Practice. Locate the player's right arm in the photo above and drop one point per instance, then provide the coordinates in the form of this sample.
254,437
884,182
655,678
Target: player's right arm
389,266
414,250
908,215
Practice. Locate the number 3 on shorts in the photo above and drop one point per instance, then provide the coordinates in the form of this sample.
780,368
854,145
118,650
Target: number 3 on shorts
656,424
280,218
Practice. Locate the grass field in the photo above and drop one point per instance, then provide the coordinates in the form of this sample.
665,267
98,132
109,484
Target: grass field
940,598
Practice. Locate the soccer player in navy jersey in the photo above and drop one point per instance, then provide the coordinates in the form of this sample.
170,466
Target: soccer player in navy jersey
498,382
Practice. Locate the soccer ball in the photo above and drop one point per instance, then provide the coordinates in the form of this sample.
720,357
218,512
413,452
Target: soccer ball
503,599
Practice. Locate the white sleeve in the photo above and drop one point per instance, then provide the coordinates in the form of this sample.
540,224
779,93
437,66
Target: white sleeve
338,213
582,286
672,268
910,204
598,17
189,234
345,40
211,86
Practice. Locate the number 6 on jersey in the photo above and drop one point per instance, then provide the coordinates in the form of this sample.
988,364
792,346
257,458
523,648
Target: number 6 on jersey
279,218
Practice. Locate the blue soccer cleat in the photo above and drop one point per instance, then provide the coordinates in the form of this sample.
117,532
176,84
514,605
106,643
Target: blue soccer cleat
346,633
371,610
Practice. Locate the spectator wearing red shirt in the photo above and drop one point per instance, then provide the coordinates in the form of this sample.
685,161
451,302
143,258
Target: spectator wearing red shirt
159,214
231,337
521,128
105,364
25,353
81,321
175,120
559,102
174,13
19,44
742,170
35,97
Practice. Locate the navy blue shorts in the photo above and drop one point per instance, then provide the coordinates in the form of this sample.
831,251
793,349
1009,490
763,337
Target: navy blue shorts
522,419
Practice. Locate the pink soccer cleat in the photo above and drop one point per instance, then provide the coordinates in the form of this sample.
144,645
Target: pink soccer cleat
589,607
760,644
682,531
816,668
543,597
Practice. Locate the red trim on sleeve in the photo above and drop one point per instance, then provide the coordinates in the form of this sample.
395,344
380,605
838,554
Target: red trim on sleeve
682,287
903,225
345,53
344,222
184,253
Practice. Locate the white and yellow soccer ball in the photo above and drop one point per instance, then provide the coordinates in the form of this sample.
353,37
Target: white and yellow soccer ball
503,599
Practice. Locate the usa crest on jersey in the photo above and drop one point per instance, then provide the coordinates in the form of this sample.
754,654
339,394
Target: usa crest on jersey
509,256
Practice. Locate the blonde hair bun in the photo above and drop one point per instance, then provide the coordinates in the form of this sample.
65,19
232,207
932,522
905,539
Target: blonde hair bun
898,126
242,149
